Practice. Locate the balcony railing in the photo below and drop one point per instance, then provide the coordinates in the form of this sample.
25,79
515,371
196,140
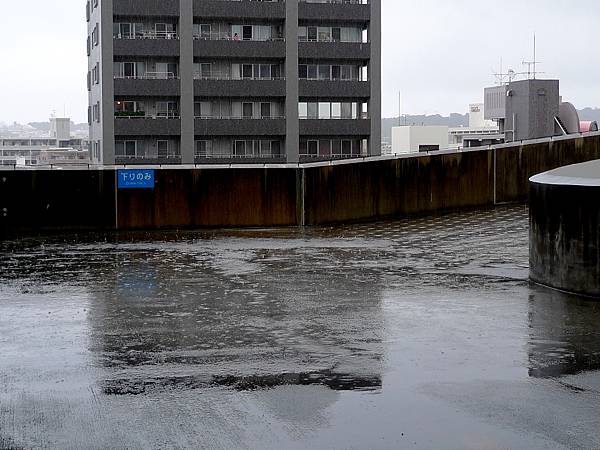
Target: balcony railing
238,117
143,115
336,2
226,36
362,116
147,35
149,76
226,77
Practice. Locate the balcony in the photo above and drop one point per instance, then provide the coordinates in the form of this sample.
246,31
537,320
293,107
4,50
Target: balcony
350,51
239,88
228,48
335,127
164,47
349,12
335,89
220,9
157,8
239,127
147,126
147,87
142,160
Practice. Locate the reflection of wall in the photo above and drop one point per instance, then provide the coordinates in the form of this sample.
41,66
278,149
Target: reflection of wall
564,338
211,313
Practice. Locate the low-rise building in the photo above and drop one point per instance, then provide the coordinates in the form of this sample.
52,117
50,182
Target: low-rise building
419,138
57,148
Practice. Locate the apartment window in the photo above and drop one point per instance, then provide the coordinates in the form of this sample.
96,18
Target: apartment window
89,46
324,34
265,110
239,148
303,71
336,72
165,30
129,70
247,32
312,33
202,31
312,148
126,149
96,35
302,34
324,72
205,70
203,149
265,71
163,149
202,109
336,34
247,71
324,110
275,148
346,147
166,109
247,110
87,11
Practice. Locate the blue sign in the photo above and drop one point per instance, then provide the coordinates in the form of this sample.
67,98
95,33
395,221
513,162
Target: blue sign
136,178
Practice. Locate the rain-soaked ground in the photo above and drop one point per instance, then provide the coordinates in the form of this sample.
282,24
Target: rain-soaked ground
420,333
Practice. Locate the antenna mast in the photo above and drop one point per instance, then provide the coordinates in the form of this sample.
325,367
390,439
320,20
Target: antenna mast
532,64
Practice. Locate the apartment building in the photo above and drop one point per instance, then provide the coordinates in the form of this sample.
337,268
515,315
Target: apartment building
201,81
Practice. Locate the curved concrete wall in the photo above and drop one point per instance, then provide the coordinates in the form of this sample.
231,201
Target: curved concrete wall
565,229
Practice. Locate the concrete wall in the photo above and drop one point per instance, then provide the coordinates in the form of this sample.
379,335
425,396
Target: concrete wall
531,106
565,237
312,194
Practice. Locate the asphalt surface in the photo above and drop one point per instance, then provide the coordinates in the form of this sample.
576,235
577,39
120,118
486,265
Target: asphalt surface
421,333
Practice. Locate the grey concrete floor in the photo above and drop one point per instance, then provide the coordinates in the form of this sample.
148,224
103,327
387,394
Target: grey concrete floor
421,333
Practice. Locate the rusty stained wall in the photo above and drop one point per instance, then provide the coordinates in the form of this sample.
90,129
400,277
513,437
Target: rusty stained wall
188,198
398,187
515,165
37,200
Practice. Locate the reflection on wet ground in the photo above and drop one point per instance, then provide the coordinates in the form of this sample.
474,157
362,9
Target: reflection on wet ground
420,333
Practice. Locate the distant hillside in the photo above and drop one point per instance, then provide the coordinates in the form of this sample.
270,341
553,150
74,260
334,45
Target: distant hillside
457,120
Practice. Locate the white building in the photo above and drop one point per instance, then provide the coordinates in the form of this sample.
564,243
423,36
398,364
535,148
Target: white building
419,138
479,131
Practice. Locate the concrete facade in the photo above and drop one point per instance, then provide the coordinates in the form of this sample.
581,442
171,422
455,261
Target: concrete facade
156,66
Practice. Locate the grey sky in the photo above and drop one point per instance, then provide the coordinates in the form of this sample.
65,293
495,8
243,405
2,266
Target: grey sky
439,53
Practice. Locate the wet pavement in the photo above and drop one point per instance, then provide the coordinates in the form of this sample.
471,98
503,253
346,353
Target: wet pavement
420,333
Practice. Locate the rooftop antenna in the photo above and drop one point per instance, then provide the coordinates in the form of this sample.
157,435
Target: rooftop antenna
503,78
532,64
399,109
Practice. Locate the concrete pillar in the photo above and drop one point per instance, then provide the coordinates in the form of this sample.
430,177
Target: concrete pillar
292,138
375,78
107,102
186,74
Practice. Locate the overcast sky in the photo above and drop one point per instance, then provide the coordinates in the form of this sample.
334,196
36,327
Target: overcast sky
438,53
